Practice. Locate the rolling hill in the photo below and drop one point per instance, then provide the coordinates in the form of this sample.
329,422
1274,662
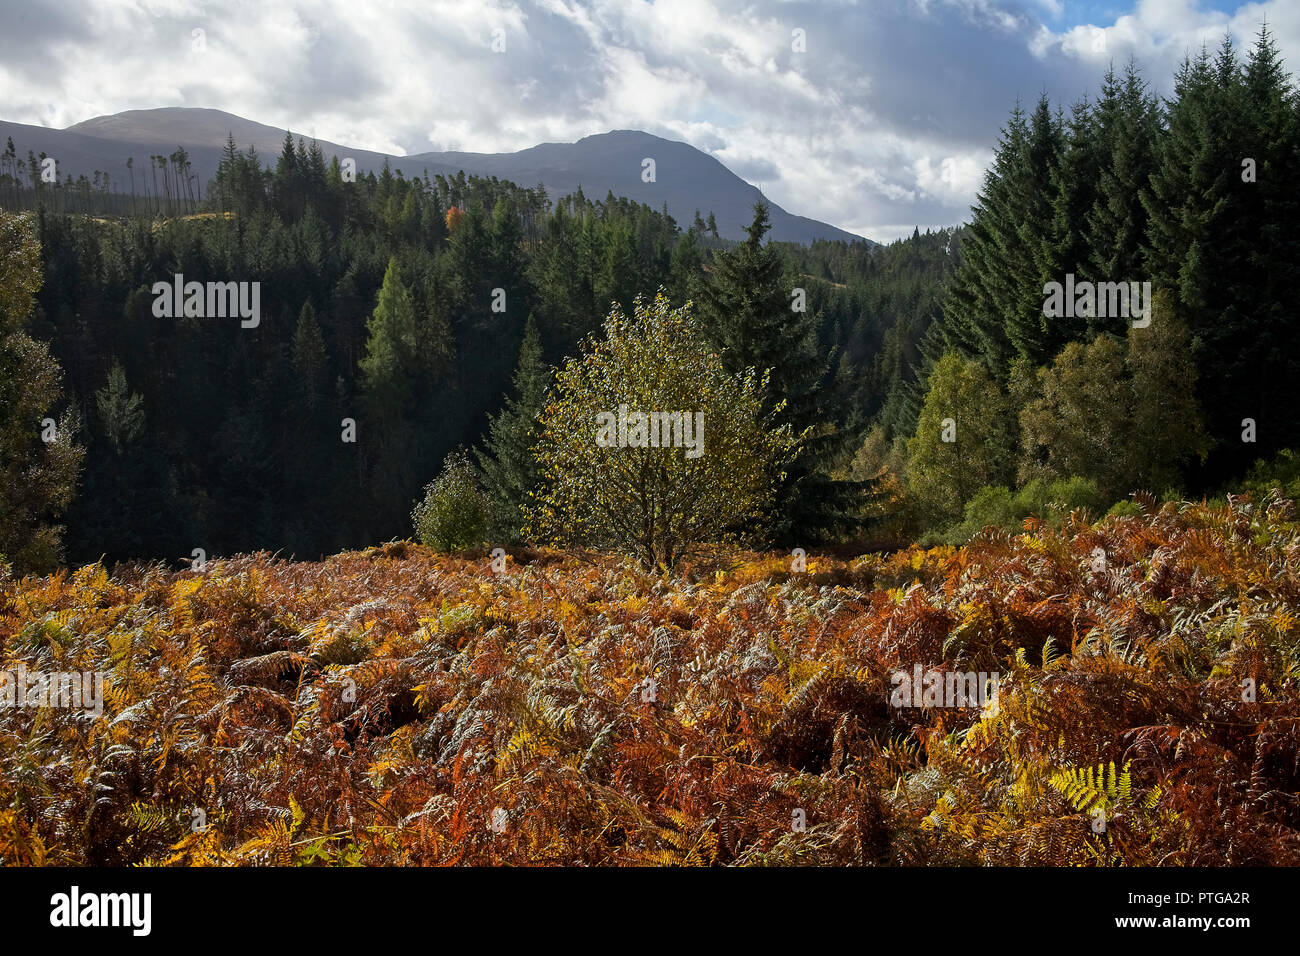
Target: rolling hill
686,179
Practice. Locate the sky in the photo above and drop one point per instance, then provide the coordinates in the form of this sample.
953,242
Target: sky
877,116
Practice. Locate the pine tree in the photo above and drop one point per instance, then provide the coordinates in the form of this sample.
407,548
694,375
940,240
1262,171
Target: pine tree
121,411
310,361
749,316
1265,290
565,305
686,261
618,275
1204,245
506,462
391,338
435,343
1064,246
1127,129
1183,175
983,294
1030,209
288,179
389,383
226,171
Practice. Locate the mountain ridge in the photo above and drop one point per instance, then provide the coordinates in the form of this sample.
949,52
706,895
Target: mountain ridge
687,179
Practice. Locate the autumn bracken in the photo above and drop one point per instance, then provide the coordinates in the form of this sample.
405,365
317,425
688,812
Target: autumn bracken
397,706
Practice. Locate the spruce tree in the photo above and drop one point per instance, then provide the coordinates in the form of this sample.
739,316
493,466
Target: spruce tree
1030,208
687,259
288,179
1182,177
121,411
749,315
1064,246
507,465
391,339
1127,128
1205,245
982,294
389,382
310,361
1266,284
565,303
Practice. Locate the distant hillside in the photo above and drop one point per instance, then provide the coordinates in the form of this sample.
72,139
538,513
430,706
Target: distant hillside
686,179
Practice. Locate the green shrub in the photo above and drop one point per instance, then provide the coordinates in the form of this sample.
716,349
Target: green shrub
1001,508
992,505
1054,500
1281,472
454,513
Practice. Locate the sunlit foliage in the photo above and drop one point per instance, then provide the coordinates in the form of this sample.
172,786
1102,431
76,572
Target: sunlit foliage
703,468
395,706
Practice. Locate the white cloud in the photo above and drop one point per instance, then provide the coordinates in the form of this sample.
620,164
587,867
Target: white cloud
886,121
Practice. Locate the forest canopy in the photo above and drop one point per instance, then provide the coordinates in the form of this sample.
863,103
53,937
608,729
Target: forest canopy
402,317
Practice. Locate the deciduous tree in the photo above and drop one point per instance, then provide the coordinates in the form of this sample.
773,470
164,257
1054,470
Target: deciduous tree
663,487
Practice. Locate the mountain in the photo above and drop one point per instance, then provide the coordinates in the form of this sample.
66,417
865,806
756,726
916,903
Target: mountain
686,179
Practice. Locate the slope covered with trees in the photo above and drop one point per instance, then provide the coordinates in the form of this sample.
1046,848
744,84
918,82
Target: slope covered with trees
393,321
1183,203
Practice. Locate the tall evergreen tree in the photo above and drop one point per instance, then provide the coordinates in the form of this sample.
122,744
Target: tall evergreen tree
1127,130
1204,244
1030,208
391,338
749,315
506,462
288,180
121,411
1267,288
687,258
389,382
310,360
1064,247
566,306
982,294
